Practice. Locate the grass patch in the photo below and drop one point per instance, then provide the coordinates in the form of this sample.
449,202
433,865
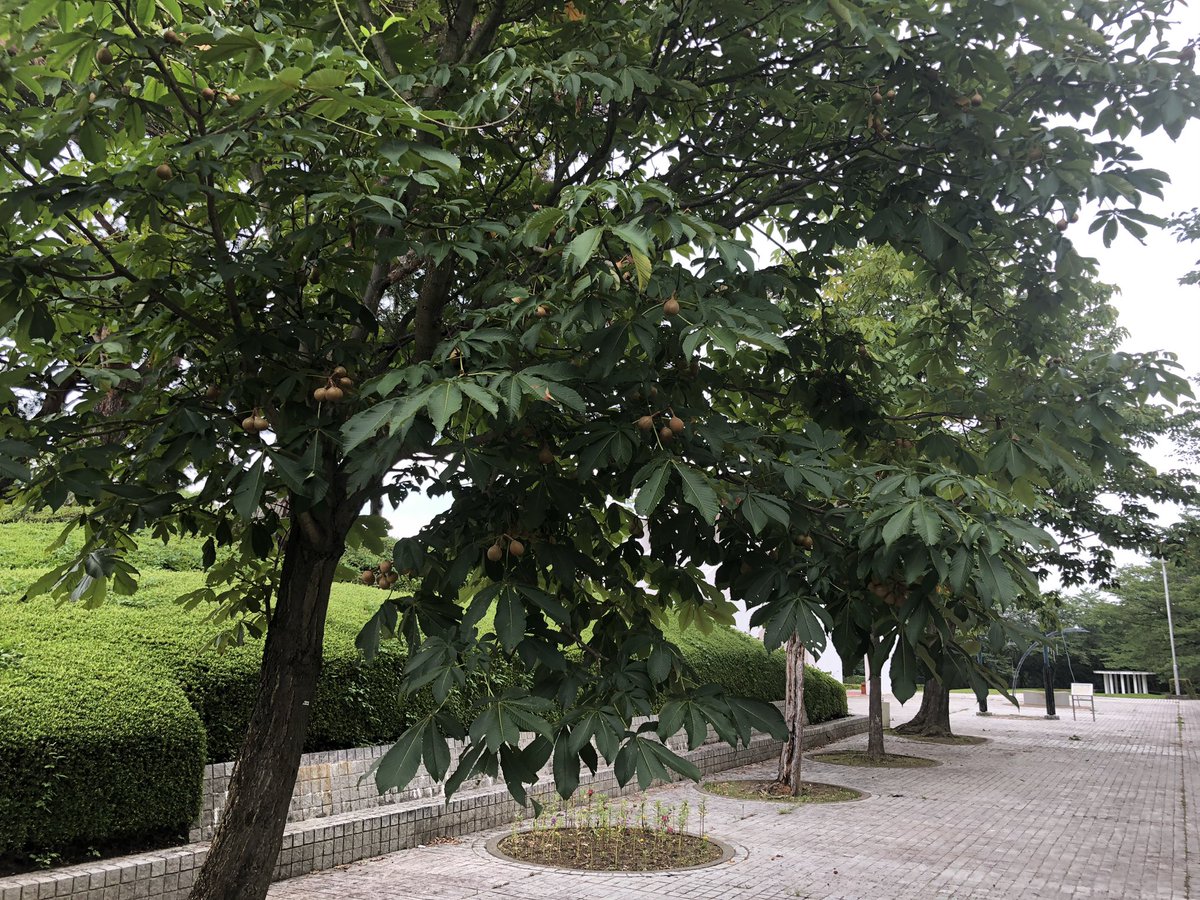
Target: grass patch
952,740
860,758
773,792
620,849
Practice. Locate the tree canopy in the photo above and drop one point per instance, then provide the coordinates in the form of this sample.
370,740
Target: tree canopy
263,264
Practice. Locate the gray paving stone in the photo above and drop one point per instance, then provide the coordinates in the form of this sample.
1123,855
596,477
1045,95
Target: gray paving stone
1032,813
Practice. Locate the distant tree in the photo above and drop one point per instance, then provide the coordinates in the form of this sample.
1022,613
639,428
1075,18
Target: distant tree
1128,622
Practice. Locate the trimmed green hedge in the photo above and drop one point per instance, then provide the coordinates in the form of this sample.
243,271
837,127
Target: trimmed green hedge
743,667
94,752
824,696
107,716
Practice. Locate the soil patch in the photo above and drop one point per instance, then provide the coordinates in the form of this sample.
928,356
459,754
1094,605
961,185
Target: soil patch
772,791
611,849
860,758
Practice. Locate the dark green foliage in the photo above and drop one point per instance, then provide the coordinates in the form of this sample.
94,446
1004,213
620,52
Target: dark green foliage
94,751
824,696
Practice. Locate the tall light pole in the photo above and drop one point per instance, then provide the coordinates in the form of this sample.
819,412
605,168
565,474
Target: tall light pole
1171,629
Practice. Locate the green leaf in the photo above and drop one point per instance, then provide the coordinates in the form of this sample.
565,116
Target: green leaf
652,489
897,525
537,227
642,266
510,619
582,248
566,766
444,401
249,490
697,491
398,766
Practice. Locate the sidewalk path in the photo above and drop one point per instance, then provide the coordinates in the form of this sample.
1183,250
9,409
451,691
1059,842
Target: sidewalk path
1033,813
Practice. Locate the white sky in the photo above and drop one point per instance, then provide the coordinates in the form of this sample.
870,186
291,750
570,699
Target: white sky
1158,312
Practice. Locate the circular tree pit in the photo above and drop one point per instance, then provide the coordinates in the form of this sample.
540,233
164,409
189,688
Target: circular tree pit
616,849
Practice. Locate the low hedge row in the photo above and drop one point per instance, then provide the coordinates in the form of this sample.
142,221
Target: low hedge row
107,716
95,754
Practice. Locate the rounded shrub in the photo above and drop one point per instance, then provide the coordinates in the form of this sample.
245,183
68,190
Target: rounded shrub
95,753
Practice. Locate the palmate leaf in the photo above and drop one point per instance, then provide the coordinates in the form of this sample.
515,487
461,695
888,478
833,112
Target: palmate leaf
398,766
650,761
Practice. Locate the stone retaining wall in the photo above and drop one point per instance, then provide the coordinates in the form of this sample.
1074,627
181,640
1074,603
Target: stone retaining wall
337,819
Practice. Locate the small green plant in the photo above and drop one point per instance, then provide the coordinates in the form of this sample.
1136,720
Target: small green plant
595,833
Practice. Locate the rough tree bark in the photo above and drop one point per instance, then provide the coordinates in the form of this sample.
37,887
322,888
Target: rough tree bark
245,848
791,757
933,718
875,748
875,717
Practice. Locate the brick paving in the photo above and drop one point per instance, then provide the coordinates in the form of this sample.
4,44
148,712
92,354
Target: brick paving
1032,813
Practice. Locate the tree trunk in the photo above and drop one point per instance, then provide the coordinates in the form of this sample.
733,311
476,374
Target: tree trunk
248,838
875,717
933,718
794,714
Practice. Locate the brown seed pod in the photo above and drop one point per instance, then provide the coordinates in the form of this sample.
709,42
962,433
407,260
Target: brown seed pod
261,424
645,423
172,38
385,565
321,394
208,94
977,99
104,56
1062,224
676,425
877,98
541,312
345,382
666,435
231,99
545,455
164,172
339,371
495,553
367,577
314,275
1074,217
516,548
805,541
212,392
334,394
671,307
248,425
891,94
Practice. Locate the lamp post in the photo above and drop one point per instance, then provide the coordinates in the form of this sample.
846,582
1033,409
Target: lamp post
1047,672
1171,629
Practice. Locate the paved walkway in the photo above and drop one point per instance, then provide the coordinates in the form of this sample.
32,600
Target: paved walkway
1044,809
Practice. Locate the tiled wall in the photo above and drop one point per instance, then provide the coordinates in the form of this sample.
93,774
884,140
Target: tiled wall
351,822
340,781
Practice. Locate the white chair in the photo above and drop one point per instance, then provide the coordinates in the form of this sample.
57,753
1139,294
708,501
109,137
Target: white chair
1081,694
